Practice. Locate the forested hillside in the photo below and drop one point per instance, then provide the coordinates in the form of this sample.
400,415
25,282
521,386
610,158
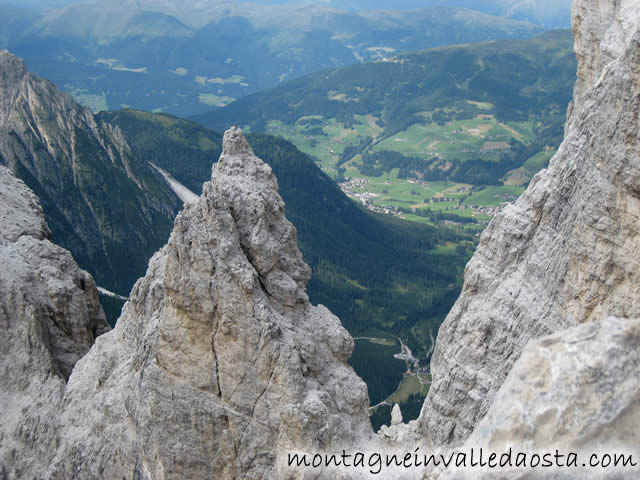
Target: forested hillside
468,113
378,274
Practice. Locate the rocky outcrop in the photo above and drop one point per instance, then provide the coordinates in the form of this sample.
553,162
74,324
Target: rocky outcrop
49,318
567,252
109,209
576,391
218,362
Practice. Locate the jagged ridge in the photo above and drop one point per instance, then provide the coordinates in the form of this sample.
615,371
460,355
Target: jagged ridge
110,210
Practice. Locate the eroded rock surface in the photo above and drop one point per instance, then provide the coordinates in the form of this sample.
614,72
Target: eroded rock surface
576,391
218,362
568,251
50,316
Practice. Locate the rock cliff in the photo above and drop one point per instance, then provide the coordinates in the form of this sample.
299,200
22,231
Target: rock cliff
568,251
49,318
218,362
576,391
111,210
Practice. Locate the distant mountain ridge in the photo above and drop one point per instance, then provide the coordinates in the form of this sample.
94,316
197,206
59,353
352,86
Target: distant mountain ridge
544,13
162,56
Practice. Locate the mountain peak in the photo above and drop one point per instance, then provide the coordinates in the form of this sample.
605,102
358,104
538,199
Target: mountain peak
12,72
6,58
234,143
223,334
245,186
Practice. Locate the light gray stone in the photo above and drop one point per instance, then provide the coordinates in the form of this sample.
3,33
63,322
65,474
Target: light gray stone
574,391
568,251
396,415
218,362
50,316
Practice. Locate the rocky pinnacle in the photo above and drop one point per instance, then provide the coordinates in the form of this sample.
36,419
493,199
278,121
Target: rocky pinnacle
218,362
234,143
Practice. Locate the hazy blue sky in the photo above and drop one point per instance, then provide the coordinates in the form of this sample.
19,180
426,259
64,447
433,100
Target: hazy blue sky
549,13
496,5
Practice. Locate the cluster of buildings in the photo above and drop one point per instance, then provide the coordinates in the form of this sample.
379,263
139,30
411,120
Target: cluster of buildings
352,187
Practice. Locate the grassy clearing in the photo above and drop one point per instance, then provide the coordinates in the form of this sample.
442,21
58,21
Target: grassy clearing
326,139
493,195
96,102
390,187
519,176
459,140
481,105
409,386
539,160
429,140
447,249
215,100
388,190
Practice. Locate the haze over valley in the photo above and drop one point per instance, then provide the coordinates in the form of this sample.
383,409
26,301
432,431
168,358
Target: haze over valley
161,56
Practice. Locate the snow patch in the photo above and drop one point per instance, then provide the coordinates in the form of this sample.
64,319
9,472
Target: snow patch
109,293
183,193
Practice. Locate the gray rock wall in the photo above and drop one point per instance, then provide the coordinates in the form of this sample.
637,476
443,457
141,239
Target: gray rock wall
568,251
50,316
576,392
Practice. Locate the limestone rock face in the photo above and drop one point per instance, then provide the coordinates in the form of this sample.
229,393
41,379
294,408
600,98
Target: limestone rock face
50,316
568,251
577,391
109,208
218,362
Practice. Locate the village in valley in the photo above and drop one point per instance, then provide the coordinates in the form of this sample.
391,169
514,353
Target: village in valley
454,200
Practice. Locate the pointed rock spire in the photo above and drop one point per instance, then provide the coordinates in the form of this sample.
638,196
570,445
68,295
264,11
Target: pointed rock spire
234,143
219,359
396,415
